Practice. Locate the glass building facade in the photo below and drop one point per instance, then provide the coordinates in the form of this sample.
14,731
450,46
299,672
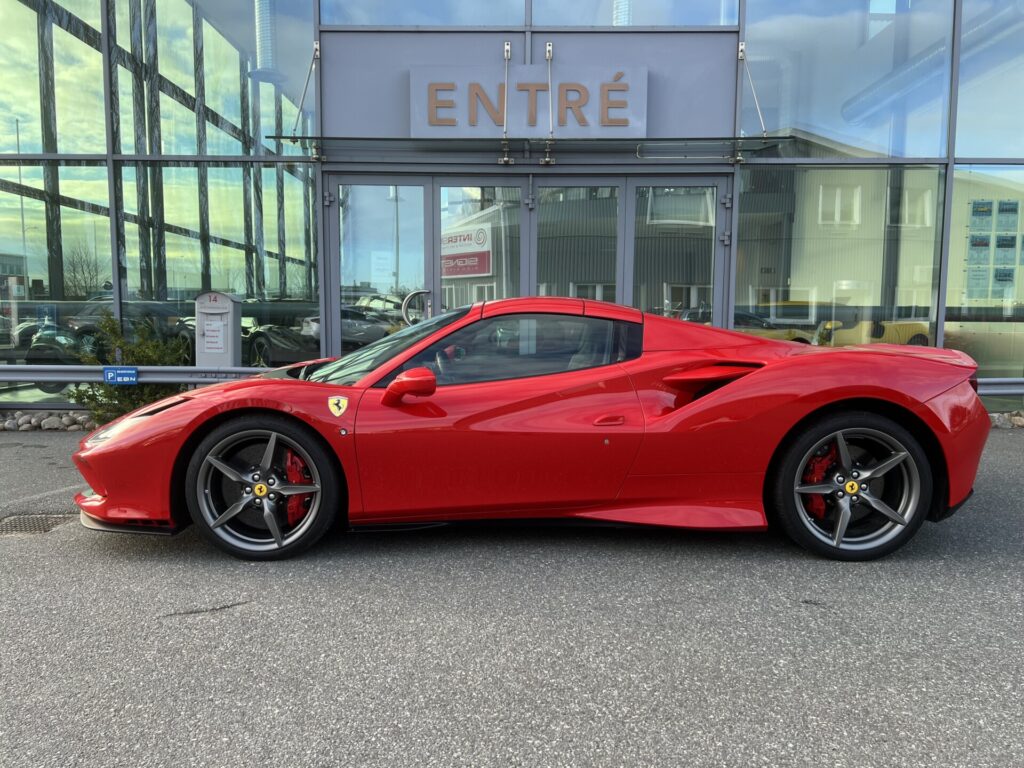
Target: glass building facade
826,173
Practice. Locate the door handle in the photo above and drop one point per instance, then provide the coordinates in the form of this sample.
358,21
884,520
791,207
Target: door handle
611,420
408,299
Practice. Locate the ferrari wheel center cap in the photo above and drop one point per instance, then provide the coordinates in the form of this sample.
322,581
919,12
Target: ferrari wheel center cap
852,487
260,489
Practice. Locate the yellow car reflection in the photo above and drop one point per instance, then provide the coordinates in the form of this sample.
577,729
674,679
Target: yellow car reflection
837,333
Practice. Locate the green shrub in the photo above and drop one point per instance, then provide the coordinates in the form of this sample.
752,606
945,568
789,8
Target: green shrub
106,402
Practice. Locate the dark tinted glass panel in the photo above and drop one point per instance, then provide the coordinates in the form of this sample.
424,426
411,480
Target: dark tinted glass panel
519,346
577,241
674,251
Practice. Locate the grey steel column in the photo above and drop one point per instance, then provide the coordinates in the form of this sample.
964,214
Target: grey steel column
947,197
247,169
260,255
115,191
145,223
307,228
156,173
202,171
891,246
51,172
282,244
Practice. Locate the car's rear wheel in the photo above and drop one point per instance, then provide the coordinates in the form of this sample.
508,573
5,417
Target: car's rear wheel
262,488
852,486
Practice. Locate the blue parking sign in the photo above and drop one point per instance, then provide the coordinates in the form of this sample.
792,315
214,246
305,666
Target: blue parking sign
120,375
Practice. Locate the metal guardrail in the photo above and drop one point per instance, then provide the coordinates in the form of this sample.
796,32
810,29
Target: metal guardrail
1000,387
148,374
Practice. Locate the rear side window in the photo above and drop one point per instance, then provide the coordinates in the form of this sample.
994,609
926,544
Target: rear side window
523,346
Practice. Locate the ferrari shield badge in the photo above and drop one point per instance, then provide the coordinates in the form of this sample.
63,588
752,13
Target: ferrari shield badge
338,405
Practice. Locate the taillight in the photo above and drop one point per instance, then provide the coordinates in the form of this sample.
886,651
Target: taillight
974,381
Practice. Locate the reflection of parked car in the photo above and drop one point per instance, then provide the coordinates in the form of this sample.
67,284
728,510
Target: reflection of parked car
78,338
750,323
839,333
271,333
388,307
358,328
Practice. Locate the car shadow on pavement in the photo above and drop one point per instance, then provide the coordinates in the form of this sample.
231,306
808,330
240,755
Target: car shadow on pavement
958,539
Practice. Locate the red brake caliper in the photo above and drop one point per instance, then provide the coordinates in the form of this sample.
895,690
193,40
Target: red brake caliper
814,474
295,471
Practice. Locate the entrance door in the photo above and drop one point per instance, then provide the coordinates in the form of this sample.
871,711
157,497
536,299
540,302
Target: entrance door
437,242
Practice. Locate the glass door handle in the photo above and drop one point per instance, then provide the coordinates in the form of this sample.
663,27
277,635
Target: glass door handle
408,299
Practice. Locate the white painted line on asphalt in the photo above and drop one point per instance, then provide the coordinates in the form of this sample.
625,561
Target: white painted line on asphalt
45,494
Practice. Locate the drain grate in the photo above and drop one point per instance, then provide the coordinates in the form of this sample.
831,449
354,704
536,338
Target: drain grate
32,523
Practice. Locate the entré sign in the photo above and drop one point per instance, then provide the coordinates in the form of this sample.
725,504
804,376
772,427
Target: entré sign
473,102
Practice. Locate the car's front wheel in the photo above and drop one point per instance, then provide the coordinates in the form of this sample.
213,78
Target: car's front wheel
852,486
262,488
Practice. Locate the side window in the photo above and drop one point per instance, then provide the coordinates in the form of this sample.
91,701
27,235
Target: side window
521,346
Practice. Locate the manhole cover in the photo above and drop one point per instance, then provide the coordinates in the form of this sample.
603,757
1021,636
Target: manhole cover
32,523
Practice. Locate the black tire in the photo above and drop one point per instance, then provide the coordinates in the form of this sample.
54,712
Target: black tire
871,442
52,387
919,340
260,528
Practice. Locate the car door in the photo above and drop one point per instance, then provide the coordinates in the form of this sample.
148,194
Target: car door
532,412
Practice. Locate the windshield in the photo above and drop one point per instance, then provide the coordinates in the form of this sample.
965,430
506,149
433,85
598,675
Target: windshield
351,368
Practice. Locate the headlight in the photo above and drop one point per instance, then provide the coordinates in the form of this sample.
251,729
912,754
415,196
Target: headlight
101,434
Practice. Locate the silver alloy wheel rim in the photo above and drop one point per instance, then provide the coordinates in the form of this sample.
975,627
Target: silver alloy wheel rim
891,499
225,519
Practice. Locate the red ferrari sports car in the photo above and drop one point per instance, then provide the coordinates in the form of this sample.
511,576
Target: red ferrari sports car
554,408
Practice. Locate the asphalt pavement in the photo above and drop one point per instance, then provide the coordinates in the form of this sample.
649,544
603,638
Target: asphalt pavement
510,645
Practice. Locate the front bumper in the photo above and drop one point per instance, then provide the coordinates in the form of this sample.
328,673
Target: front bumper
94,524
